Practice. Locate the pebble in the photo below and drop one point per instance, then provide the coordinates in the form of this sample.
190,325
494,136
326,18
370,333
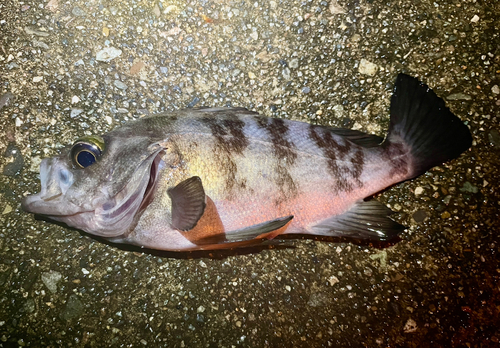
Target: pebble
335,8
50,279
286,73
107,54
367,68
37,78
77,11
468,187
419,216
40,44
294,63
459,96
74,308
251,75
120,85
475,19
75,112
410,326
6,99
495,89
333,280
75,99
419,190
30,31
494,138
306,90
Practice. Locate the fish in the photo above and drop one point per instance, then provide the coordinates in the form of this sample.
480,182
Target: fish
218,178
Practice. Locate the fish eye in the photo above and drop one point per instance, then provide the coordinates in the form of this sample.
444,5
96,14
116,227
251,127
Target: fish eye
86,151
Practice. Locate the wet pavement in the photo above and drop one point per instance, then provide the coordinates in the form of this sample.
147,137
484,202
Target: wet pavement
73,68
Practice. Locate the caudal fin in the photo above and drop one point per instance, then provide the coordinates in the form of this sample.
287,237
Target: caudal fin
422,124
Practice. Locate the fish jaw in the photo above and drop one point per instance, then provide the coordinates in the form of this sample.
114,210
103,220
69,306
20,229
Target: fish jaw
104,215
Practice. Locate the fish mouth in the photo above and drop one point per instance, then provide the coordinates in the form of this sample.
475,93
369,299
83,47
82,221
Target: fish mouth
104,216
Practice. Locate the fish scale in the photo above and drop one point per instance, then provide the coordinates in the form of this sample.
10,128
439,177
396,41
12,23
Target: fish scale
214,178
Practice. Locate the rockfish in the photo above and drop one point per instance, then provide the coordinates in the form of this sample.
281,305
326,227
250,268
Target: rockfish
214,178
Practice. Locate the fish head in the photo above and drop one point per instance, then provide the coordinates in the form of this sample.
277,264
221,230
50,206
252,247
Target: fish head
99,184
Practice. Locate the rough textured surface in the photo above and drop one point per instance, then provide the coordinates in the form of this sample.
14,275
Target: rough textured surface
329,63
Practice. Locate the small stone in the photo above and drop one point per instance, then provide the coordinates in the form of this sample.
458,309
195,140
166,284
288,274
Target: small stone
338,111
78,12
120,85
6,99
254,35
306,90
286,73
419,190
74,308
75,100
37,78
200,309
30,31
75,112
445,215
495,89
251,75
335,8
136,68
107,54
294,63
7,209
494,138
419,215
367,68
459,96
333,280
468,187
50,279
35,164
410,326
475,19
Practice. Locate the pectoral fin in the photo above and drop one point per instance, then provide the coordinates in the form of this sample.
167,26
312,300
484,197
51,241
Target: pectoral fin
188,203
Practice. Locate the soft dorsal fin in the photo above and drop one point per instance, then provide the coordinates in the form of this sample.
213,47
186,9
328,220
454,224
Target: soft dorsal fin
188,203
358,138
365,220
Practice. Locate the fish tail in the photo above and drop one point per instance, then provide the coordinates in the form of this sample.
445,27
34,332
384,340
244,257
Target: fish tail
423,132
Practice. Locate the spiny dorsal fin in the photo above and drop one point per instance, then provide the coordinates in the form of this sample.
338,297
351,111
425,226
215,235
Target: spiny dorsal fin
188,203
366,220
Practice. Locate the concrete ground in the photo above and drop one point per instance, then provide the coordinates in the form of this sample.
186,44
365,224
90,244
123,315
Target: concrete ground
330,63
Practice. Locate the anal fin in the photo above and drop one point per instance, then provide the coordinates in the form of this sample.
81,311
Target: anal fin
245,237
365,220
